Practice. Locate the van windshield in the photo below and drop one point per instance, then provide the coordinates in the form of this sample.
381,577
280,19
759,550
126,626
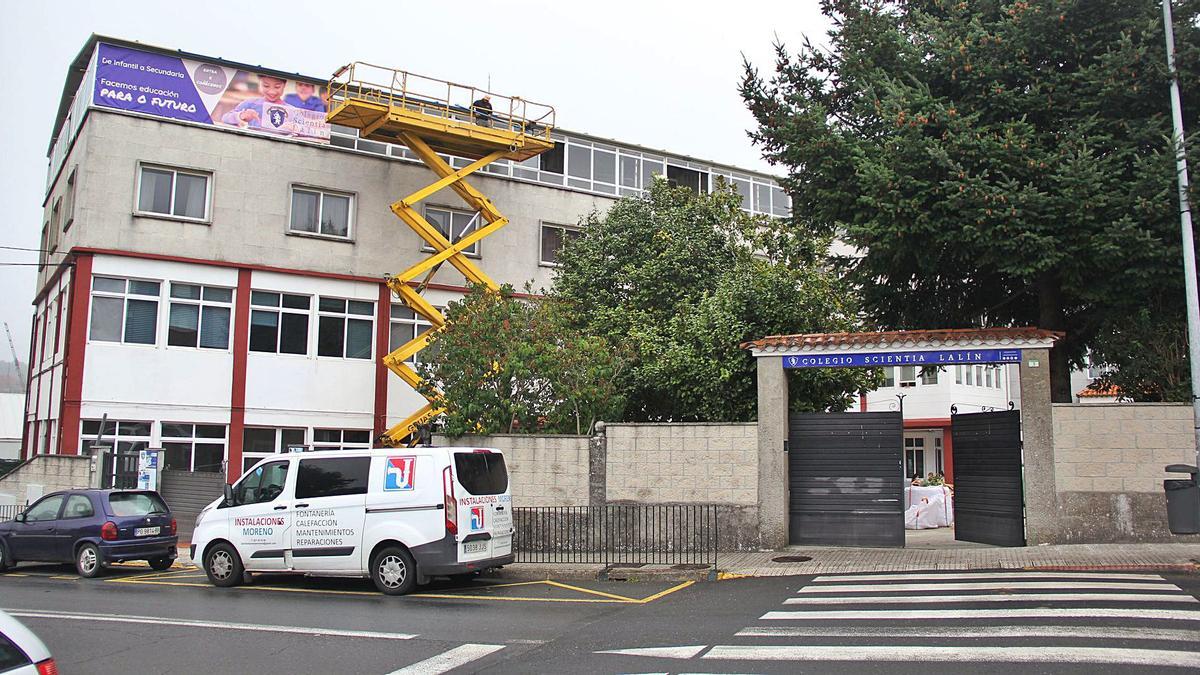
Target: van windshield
481,473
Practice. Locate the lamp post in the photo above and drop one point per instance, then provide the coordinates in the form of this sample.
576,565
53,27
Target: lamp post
1185,224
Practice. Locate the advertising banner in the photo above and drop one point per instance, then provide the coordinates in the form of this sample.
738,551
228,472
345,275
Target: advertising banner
194,91
940,358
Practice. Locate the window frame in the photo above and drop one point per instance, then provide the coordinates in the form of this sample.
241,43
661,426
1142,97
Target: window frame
206,174
278,310
201,303
78,495
346,316
351,212
475,251
125,296
341,443
362,490
542,239
69,198
114,433
192,440
417,326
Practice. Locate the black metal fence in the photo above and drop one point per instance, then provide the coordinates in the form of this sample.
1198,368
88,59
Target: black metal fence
617,534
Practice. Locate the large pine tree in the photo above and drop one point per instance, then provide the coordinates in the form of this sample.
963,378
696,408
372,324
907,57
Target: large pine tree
1002,163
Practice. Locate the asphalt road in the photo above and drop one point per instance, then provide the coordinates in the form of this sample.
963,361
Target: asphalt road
136,621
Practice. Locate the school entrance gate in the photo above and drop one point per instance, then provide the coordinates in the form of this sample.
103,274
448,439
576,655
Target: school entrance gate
844,471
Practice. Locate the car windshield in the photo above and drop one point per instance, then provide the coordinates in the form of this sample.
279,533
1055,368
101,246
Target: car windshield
136,503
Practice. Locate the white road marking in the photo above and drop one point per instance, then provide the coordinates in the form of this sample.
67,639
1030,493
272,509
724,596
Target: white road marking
989,586
1040,654
682,652
999,613
448,660
197,623
906,632
991,597
988,575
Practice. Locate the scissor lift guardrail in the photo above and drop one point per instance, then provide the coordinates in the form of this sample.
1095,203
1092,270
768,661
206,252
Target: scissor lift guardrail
432,116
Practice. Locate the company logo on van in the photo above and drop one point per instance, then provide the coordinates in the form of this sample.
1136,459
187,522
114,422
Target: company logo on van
477,517
399,473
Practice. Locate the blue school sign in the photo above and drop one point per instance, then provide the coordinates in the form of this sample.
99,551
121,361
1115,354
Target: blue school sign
939,358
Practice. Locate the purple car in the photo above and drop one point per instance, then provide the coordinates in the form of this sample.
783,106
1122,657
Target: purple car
92,528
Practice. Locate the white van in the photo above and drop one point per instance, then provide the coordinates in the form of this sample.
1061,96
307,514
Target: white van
397,515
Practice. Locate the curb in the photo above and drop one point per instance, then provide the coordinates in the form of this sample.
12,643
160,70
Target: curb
522,572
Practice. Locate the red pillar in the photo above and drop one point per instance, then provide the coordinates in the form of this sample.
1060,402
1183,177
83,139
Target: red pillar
237,397
383,322
862,403
948,453
77,319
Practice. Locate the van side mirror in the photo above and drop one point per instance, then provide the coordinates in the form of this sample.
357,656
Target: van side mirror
228,495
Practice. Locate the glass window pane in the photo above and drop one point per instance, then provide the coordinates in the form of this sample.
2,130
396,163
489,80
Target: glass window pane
361,307
264,331
332,477
305,206
604,166
327,435
743,189
107,317
651,167
579,161
176,430
291,437
210,457
356,436
210,431
190,195
762,198
185,291
440,220
552,160
402,312
184,325
629,171
78,506
133,429
551,243
141,319
108,285
143,287
332,305
461,224
155,196
258,440
218,294
296,301
358,339
335,215
331,336
779,202
399,334
214,330
177,456
264,299
293,337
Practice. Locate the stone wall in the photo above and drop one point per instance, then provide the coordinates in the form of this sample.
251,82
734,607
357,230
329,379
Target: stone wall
44,474
682,463
544,470
1108,469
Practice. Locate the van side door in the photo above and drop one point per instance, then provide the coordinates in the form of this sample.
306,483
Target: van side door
260,521
329,509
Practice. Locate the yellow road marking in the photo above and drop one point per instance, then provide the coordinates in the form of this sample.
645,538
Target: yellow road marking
602,594
665,593
13,574
67,577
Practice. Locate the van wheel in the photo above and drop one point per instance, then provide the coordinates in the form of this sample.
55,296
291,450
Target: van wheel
223,566
160,564
394,571
87,561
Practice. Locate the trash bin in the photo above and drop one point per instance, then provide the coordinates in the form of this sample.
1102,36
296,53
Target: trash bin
1183,501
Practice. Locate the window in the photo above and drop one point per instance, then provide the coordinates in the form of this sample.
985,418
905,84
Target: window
970,375
332,477
263,484
279,322
260,442
552,160
929,375
889,377
958,374
990,373
199,316
406,325
579,161
453,224
554,237
907,376
689,178
136,503
341,330
56,217
914,457
69,200
481,473
124,310
193,447
12,656
319,212
78,506
604,166
47,509
938,456
123,436
341,439
170,192
630,171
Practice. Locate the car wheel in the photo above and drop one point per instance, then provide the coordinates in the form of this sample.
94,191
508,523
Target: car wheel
394,571
223,566
160,564
5,562
88,563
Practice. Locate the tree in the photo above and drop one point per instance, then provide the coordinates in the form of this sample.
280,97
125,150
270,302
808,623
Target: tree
683,279
503,364
998,162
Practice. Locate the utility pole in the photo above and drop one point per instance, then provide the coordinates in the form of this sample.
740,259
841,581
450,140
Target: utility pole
1185,224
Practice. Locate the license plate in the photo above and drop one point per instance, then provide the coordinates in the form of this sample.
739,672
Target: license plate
475,547
146,531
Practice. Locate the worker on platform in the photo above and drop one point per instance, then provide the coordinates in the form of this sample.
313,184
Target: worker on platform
482,110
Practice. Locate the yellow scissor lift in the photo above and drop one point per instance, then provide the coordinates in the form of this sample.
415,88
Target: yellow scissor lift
432,116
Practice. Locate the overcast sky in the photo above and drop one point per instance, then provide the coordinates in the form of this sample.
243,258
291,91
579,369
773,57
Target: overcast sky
659,74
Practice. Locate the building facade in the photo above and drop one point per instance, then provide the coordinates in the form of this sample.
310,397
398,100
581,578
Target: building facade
217,291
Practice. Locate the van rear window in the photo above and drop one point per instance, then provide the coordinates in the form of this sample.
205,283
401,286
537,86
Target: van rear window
136,503
481,473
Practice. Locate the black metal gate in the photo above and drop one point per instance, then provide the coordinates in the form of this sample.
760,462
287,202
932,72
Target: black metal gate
844,479
120,470
989,502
